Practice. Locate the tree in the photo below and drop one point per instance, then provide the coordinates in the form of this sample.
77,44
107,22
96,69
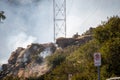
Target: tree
108,35
108,30
2,16
111,55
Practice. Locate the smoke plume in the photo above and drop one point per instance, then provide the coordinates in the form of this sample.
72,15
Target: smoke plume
26,22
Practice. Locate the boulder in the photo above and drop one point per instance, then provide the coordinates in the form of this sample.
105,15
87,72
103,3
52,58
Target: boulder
14,55
64,42
79,40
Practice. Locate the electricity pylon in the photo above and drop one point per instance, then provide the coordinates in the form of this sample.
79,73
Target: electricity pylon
59,10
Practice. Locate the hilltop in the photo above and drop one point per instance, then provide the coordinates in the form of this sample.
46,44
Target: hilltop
32,62
71,59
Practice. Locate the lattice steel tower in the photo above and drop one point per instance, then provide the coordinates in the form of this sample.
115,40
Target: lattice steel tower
59,10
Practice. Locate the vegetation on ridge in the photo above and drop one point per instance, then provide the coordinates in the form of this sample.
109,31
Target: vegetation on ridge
76,62
79,64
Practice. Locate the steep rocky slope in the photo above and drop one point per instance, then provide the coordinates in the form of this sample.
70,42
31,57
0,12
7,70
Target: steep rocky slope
31,61
28,62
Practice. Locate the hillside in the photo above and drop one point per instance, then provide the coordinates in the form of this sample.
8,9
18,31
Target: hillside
71,59
77,64
28,62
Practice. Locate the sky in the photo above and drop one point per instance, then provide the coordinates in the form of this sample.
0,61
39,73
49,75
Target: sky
31,21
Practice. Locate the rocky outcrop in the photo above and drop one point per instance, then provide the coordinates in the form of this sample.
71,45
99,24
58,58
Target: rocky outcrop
28,62
64,42
14,55
79,40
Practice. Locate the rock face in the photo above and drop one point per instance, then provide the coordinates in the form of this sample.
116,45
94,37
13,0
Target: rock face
28,62
14,55
79,40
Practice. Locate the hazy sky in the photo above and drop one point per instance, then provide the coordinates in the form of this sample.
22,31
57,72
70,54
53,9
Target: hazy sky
32,20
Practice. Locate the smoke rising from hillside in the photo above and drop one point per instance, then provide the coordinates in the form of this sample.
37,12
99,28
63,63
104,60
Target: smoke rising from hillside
34,20
46,52
25,23
24,2
20,39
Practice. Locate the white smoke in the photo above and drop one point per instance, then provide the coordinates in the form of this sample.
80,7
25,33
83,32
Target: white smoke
23,2
46,52
20,40
25,58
